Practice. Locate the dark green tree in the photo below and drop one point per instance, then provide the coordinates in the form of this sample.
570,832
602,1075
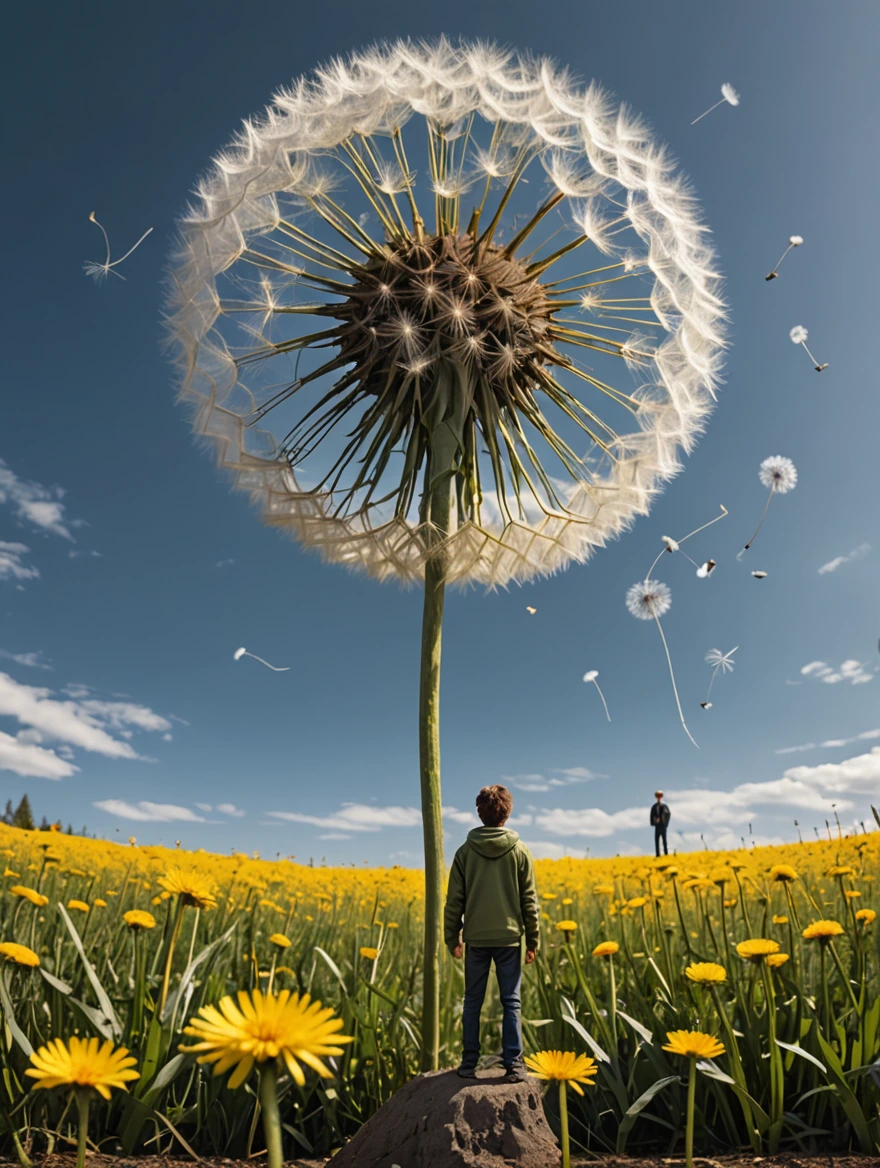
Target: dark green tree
23,816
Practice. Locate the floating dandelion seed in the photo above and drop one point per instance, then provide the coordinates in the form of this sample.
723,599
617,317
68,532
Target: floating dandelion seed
649,600
799,337
100,271
779,475
531,610
239,653
591,675
793,241
718,660
673,545
759,575
728,94
706,570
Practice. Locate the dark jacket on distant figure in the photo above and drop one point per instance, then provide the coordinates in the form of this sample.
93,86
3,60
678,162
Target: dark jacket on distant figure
660,815
492,892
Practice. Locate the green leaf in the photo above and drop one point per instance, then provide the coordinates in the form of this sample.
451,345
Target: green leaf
594,1046
103,1000
187,976
299,1137
795,1049
97,1018
14,1029
637,1026
334,968
633,1111
847,1100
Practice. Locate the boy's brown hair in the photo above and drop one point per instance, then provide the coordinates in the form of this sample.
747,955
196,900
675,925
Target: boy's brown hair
494,805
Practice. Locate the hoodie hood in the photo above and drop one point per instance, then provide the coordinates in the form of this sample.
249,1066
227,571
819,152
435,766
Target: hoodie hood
492,842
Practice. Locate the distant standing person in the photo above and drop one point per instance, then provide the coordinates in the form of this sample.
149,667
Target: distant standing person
660,815
492,905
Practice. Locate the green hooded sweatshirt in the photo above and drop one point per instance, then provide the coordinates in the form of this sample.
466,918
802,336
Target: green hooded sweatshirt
492,888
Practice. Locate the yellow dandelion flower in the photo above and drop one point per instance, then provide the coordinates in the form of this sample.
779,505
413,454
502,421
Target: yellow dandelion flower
779,919
548,896
730,902
606,949
280,940
259,1027
564,1067
777,959
851,894
567,900
867,916
698,882
20,954
783,873
30,894
757,949
136,918
393,925
9,872
693,1044
721,876
822,931
369,953
79,905
82,1062
637,902
706,973
603,889
566,926
99,903
193,890
840,870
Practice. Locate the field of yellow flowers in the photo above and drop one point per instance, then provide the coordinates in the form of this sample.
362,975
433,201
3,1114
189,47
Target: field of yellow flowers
772,952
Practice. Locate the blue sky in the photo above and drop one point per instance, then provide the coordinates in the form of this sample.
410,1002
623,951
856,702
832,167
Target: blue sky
129,573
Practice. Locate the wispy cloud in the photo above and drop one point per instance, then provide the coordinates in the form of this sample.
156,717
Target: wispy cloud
557,777
31,660
147,812
829,743
26,758
852,671
231,809
839,561
224,563
34,504
356,817
12,565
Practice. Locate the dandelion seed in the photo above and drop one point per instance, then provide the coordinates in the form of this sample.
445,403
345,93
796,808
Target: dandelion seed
591,675
728,94
239,653
673,545
100,272
779,474
799,336
759,575
649,600
793,241
706,569
719,661
531,610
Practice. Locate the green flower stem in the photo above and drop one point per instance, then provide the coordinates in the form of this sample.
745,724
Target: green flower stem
843,977
825,1000
137,1009
777,1085
612,1000
736,1068
588,995
271,1116
689,1130
83,1099
684,931
742,903
169,956
563,1124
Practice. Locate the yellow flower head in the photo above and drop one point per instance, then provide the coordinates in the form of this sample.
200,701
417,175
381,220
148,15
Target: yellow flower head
730,902
839,870
777,959
548,896
20,954
563,1066
783,873
79,905
603,889
699,883
369,953
9,872
822,931
757,949
637,902
721,876
280,940
258,1027
867,916
193,890
779,919
706,973
566,926
567,900
30,894
82,1063
136,918
851,893
693,1044
606,949
100,903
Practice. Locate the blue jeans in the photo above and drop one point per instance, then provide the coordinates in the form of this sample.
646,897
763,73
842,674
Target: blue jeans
508,970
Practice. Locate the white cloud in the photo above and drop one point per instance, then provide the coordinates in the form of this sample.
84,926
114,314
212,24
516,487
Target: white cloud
147,812
855,672
558,777
356,817
231,809
839,561
829,743
550,850
224,563
33,503
12,565
27,759
204,806
468,818
334,835
30,660
88,724
591,821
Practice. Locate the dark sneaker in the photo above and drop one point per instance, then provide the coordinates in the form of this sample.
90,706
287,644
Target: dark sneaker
516,1074
464,1072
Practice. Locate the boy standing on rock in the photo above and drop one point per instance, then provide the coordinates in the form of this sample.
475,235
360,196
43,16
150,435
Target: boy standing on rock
492,890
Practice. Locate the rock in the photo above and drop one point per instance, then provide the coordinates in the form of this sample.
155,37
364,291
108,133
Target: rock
441,1121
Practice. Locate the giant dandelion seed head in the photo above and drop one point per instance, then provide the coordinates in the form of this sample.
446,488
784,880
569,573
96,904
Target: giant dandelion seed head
798,334
649,599
404,277
778,474
729,93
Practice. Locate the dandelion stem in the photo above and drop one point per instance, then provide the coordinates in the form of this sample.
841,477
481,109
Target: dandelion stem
689,1129
271,1118
564,1138
83,1099
169,957
602,696
672,676
693,123
763,517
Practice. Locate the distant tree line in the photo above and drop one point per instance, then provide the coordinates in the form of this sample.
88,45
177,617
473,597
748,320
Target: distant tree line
22,816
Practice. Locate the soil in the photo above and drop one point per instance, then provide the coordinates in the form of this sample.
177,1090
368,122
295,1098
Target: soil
792,1160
